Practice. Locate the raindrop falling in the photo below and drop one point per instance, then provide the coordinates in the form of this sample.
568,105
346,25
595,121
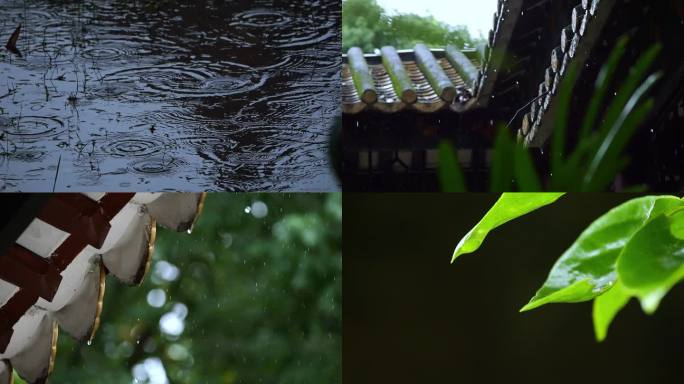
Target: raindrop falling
259,209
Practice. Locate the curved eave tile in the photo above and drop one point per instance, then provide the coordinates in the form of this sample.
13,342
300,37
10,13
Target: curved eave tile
6,375
588,19
426,98
126,253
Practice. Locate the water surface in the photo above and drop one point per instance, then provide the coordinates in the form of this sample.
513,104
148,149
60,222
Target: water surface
156,95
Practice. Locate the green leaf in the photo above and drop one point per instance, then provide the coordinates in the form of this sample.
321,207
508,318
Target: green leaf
653,261
616,138
606,306
677,226
450,173
525,173
561,121
626,91
508,207
592,257
602,82
502,172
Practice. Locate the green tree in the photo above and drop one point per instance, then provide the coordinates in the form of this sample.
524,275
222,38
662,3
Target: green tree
367,25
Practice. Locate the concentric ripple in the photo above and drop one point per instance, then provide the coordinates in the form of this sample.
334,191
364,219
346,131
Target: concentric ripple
33,128
181,81
278,29
229,94
300,101
261,18
134,147
105,53
305,35
160,165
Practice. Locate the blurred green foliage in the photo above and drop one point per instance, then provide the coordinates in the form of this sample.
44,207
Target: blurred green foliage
263,298
597,157
367,25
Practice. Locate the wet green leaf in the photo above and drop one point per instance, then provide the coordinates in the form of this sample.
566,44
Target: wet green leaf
606,306
502,172
677,226
525,173
604,78
653,261
592,257
450,173
561,119
508,207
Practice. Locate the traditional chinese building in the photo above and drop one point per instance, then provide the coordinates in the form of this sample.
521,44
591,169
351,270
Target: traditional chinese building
55,252
398,105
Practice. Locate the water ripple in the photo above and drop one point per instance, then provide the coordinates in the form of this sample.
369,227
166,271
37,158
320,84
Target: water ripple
170,81
232,95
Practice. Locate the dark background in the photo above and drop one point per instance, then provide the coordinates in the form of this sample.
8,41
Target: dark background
411,317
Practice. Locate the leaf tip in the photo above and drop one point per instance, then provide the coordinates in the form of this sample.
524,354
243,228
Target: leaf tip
530,306
457,252
600,337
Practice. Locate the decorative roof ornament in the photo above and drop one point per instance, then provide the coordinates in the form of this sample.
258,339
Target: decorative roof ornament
55,253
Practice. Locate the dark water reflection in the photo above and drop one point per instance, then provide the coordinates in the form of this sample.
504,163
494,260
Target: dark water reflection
152,95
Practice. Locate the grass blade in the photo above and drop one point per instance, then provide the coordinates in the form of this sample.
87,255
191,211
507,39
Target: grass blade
623,128
625,92
600,167
502,172
604,78
562,107
449,171
525,172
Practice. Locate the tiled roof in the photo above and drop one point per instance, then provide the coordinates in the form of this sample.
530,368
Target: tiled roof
422,79
478,76
56,256
472,73
575,44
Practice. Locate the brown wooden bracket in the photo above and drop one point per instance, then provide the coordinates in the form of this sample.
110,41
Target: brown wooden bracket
81,216
30,272
87,223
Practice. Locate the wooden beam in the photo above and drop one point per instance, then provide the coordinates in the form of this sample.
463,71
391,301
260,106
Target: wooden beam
76,213
30,272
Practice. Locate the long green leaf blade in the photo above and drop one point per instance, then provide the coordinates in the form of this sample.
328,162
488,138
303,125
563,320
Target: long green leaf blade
626,90
616,137
525,173
602,82
561,121
502,170
449,171
508,207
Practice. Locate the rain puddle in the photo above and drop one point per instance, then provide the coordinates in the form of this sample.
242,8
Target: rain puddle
180,95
